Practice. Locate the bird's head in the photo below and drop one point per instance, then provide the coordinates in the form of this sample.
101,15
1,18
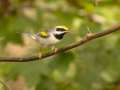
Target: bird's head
60,31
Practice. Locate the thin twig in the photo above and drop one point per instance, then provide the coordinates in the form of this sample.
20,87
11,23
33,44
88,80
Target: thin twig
4,85
84,40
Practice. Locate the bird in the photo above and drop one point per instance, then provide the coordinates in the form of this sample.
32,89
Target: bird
50,37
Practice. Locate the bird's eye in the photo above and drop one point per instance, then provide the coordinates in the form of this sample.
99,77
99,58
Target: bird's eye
60,29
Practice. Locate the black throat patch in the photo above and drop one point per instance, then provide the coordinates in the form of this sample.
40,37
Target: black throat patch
59,36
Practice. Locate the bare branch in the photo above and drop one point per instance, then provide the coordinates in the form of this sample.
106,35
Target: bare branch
88,37
5,85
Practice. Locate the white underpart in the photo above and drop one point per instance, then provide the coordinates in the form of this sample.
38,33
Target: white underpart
51,40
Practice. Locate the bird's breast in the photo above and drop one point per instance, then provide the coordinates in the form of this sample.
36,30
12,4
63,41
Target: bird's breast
51,40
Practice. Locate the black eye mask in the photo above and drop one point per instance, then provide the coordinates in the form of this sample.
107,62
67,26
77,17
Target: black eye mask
60,29
59,36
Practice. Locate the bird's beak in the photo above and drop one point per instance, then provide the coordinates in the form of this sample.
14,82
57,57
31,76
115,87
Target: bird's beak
66,31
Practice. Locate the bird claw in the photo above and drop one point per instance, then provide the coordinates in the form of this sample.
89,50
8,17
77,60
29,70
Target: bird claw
39,55
54,49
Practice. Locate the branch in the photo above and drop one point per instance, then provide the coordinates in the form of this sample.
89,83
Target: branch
88,37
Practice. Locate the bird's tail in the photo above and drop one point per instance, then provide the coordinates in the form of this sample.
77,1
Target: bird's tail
29,34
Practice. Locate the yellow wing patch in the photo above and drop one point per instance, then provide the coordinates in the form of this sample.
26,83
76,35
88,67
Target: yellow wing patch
43,34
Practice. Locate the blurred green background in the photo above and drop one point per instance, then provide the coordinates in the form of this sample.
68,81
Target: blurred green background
93,66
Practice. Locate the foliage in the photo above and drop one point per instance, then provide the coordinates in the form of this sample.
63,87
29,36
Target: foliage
94,66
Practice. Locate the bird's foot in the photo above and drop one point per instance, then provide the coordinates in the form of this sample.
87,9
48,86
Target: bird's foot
40,55
54,49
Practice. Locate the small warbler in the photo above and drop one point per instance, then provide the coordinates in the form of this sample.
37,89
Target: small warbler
50,37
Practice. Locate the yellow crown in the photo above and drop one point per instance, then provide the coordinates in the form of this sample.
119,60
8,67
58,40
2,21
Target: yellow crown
64,27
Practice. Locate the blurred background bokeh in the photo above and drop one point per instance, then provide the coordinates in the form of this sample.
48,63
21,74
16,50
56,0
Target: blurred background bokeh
93,66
